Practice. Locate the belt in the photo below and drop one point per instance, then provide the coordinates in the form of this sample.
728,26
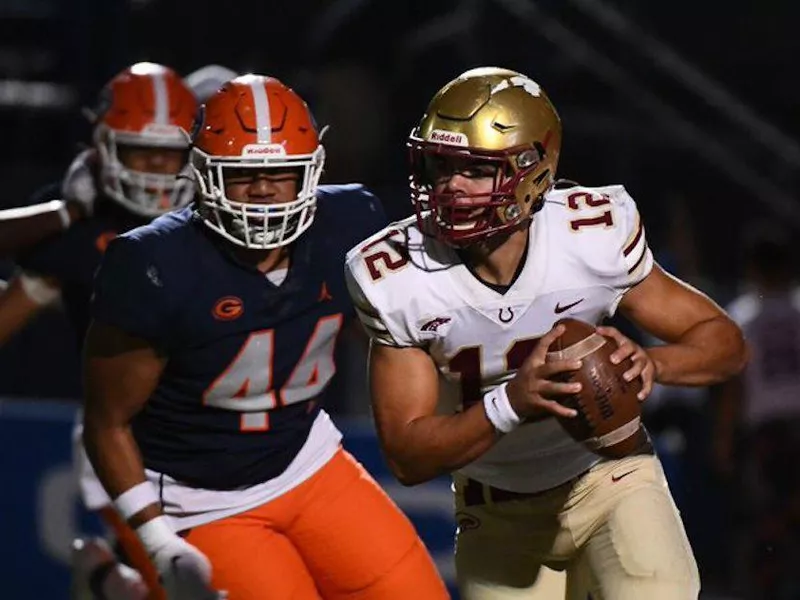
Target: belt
473,493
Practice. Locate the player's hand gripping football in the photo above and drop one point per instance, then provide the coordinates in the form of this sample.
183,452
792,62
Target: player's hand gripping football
643,365
185,571
534,391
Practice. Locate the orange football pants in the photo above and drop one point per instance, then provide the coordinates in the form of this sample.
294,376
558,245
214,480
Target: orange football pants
336,536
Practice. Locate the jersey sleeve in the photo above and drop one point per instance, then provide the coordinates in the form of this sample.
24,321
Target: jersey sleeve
624,257
130,293
637,258
351,212
371,295
372,216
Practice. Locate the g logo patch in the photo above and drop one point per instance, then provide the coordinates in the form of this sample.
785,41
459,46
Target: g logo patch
228,308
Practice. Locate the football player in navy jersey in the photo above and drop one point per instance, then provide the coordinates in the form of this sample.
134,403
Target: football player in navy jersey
135,170
57,207
212,340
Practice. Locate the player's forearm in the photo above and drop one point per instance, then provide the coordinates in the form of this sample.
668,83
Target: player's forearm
438,444
115,457
16,310
21,228
708,353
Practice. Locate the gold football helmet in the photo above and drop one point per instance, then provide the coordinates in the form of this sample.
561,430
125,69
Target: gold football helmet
491,116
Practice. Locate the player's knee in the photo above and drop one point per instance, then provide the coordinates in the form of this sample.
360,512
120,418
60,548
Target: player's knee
414,576
651,547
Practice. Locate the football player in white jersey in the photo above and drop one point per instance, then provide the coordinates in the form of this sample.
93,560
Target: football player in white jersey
460,303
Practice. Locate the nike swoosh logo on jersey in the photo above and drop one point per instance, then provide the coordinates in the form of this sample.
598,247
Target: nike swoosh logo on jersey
615,478
560,309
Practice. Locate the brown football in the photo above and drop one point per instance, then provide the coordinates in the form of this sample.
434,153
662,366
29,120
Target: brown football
609,415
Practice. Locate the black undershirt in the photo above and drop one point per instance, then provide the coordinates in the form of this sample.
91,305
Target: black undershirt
500,289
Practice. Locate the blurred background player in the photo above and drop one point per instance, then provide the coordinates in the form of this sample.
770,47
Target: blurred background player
205,81
22,227
135,170
757,443
461,303
223,319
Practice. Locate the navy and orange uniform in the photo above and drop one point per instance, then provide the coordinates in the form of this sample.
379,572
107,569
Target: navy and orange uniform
72,256
246,462
247,359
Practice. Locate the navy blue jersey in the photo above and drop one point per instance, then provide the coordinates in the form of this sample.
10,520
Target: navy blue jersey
72,257
247,360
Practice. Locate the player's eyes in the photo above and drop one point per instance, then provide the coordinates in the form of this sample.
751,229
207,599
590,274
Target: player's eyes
435,168
251,175
238,175
479,171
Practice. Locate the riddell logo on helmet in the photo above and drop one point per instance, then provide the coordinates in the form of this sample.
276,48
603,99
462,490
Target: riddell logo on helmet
263,150
161,130
449,137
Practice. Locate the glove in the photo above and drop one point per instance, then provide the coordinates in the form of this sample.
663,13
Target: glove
185,571
97,574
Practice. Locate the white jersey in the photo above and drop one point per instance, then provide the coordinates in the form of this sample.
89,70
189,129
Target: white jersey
587,248
771,326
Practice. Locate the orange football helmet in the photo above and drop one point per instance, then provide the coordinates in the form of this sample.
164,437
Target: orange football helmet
255,121
146,105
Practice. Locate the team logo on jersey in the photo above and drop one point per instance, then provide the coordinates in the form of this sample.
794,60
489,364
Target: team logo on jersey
154,276
505,315
228,308
434,324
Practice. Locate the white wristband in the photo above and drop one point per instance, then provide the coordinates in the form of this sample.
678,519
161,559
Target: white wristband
133,500
156,533
498,409
63,214
38,289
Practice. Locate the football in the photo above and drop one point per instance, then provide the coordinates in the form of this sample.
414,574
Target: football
609,416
